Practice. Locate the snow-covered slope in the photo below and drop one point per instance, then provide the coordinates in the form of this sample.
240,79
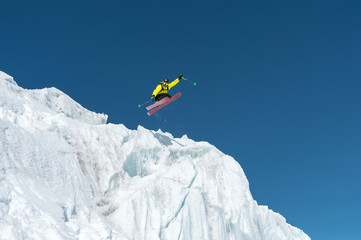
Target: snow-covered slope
66,174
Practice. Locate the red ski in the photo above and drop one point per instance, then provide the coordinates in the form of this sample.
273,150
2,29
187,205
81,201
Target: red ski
157,103
164,104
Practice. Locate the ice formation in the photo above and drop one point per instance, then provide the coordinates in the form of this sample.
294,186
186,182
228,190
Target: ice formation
67,174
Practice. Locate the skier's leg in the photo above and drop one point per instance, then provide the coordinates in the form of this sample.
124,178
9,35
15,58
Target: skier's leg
161,96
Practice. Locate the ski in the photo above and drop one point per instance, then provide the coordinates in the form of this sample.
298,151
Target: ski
164,104
157,103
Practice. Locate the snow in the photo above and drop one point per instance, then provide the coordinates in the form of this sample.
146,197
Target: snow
67,174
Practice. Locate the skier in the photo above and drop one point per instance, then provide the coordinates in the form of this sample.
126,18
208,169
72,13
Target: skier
161,91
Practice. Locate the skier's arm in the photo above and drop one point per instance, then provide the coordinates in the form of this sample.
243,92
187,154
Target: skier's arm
173,83
157,90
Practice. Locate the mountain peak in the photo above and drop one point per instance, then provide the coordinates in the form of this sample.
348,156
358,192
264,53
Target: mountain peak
30,103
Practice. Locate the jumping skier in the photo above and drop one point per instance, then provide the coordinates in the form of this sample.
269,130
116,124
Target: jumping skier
161,96
161,91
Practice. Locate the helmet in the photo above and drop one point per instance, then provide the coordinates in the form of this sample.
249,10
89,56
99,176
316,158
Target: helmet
166,80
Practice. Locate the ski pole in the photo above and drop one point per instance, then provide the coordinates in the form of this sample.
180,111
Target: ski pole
189,81
140,105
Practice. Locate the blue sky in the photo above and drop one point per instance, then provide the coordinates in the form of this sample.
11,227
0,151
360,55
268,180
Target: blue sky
278,86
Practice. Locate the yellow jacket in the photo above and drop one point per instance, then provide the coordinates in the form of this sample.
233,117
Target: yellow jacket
161,88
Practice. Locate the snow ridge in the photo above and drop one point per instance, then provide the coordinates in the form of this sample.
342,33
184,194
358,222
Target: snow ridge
8,78
66,174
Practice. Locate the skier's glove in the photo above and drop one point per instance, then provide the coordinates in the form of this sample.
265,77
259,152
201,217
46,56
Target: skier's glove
152,98
180,76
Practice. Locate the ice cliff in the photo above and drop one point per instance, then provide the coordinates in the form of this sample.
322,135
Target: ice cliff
67,174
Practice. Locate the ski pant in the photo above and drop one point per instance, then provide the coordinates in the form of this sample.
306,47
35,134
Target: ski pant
161,96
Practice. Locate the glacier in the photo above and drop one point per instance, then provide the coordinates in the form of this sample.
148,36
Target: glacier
65,173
